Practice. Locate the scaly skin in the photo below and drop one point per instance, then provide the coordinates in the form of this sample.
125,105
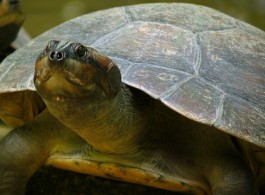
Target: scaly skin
27,148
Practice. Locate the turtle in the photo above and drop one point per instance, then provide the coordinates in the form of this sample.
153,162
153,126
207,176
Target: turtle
12,36
168,95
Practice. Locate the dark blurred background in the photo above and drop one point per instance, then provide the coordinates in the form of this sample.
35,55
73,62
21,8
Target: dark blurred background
42,15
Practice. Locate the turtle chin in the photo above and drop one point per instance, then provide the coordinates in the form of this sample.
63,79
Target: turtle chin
58,88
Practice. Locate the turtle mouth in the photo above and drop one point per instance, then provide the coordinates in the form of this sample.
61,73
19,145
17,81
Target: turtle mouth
45,74
60,88
72,78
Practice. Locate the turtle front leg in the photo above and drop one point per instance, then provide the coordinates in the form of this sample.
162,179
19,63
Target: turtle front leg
21,155
24,150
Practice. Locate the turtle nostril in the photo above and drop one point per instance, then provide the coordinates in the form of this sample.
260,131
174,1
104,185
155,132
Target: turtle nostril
51,56
56,56
59,56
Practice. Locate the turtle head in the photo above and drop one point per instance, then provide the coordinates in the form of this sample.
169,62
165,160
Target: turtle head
80,88
66,70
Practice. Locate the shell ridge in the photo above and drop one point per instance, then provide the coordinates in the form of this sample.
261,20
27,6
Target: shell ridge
109,35
7,70
219,110
127,70
259,34
247,121
230,28
175,88
128,13
113,31
164,23
235,96
164,67
30,82
210,84
199,57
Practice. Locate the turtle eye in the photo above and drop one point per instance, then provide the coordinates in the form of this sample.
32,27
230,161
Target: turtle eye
80,50
50,45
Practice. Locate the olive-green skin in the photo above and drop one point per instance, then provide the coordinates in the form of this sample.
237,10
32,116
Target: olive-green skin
172,97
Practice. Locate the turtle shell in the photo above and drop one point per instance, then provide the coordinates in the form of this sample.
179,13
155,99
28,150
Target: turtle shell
201,63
